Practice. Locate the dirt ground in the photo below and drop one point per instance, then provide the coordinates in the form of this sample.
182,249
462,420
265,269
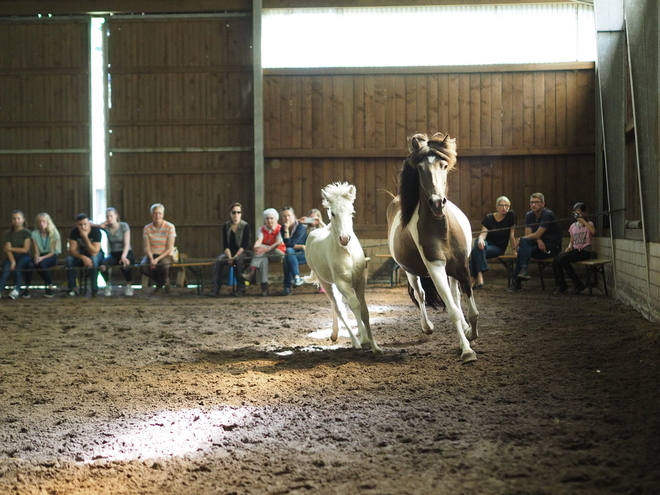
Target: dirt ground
184,394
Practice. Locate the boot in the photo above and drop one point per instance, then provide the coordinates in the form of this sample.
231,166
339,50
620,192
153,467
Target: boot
264,290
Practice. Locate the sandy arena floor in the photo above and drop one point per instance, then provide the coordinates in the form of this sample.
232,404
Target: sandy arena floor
183,394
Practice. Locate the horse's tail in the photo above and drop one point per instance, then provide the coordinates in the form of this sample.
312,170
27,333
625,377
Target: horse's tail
433,299
311,279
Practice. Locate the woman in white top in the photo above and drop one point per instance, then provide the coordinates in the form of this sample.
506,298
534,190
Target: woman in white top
46,246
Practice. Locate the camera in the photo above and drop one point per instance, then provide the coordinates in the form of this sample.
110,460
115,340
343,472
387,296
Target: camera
309,220
576,215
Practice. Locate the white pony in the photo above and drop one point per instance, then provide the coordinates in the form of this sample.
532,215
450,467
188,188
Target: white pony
338,264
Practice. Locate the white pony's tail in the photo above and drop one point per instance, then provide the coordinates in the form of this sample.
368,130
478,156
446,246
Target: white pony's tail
311,279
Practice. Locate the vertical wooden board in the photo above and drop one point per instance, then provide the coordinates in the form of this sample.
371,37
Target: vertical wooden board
465,109
496,114
476,188
381,199
550,130
421,110
370,185
411,107
349,171
454,108
379,112
402,132
444,125
480,110
497,184
566,186
359,112
337,101
317,112
328,113
274,102
572,118
586,107
348,103
369,111
539,109
529,178
297,184
517,114
528,109
306,112
433,112
307,185
360,196
295,104
389,82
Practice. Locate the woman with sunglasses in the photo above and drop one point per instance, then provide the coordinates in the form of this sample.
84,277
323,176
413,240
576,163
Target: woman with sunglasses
496,232
237,241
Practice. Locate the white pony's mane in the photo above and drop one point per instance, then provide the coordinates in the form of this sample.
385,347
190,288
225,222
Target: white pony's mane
338,191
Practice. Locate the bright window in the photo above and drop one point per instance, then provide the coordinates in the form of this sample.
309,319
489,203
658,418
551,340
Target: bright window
428,36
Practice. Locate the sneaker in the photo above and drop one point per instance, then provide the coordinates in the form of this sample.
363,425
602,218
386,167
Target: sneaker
524,275
249,275
129,291
285,292
13,294
25,294
107,292
298,281
560,290
264,290
72,293
49,293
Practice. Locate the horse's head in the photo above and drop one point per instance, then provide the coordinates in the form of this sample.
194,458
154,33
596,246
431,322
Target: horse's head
424,174
338,199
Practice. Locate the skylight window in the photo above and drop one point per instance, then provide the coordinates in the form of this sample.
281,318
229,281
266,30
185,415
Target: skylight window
428,36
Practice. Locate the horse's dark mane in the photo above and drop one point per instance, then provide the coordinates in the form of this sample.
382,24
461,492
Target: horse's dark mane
408,190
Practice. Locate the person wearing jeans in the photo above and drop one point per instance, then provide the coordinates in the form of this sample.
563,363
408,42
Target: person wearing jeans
579,249
542,239
294,235
84,251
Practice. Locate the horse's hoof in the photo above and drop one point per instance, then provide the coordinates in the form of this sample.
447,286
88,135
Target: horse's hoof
468,357
427,331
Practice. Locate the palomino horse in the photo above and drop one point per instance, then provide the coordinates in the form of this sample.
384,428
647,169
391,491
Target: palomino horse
338,264
429,236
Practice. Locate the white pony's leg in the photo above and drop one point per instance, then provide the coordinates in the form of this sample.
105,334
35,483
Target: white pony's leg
358,305
413,280
328,288
455,313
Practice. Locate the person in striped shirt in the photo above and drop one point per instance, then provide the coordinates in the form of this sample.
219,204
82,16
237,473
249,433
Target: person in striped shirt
158,239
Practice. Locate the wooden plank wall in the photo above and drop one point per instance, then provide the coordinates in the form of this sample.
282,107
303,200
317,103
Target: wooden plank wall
44,120
181,124
519,129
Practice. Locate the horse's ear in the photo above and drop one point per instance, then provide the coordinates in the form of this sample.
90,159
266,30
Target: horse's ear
350,195
417,141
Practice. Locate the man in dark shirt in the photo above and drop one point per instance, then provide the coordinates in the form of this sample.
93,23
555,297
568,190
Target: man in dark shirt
84,251
542,238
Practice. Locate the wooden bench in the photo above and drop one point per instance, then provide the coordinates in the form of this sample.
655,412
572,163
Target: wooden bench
593,267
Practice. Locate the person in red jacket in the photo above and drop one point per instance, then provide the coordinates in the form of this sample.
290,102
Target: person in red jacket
269,247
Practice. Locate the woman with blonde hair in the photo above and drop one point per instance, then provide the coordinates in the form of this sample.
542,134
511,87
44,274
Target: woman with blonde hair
46,246
497,230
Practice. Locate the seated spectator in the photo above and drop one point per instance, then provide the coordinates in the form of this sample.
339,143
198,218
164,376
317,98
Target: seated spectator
542,239
121,253
294,235
84,251
497,230
269,247
579,249
17,244
236,242
47,245
158,238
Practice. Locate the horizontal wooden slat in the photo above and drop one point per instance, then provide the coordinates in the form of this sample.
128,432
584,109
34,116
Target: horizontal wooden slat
443,69
402,153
